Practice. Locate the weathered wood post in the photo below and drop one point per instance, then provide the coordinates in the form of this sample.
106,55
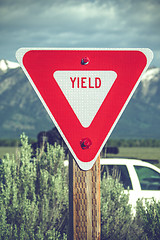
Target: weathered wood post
84,202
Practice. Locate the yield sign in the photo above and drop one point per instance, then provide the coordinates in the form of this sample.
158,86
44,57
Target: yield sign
84,91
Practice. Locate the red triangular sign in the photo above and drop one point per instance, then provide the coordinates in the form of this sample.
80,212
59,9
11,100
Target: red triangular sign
84,91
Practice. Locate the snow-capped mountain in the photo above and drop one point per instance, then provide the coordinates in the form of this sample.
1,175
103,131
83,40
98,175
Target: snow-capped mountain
150,78
6,65
141,118
148,91
22,111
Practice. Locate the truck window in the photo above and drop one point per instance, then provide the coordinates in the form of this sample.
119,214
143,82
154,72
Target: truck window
149,179
119,172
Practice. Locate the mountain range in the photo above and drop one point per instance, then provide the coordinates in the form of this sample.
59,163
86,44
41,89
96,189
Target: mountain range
22,111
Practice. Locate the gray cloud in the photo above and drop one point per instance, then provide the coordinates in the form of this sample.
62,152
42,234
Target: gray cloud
79,24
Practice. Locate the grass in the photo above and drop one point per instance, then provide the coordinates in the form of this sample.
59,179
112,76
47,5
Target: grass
10,150
130,152
139,152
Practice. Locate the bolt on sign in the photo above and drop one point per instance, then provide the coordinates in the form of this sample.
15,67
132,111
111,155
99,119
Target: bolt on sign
85,91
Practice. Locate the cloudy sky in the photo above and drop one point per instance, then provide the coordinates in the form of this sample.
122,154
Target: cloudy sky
79,23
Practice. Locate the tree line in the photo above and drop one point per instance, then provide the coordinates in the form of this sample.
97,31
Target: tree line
13,142
134,143
110,143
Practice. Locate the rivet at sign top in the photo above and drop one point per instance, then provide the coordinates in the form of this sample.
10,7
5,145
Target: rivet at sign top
85,61
85,143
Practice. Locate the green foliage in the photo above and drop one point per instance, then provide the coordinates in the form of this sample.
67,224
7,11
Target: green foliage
13,142
116,213
34,200
148,218
110,143
9,142
33,194
117,220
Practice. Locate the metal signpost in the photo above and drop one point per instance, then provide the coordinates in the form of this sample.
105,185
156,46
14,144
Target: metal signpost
85,91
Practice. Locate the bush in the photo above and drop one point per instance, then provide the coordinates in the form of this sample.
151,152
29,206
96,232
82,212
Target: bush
148,218
34,200
33,194
116,216
117,221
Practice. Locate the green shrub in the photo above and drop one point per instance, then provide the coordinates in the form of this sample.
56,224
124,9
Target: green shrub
33,194
148,218
117,221
34,200
116,216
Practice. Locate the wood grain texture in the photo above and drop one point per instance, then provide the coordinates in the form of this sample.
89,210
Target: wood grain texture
85,202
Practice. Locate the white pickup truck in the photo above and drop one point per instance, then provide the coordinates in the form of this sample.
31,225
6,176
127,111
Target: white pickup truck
141,178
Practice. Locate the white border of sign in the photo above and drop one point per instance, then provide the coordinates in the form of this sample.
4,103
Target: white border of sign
146,51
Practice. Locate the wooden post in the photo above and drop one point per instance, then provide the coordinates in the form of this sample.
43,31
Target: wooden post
84,202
